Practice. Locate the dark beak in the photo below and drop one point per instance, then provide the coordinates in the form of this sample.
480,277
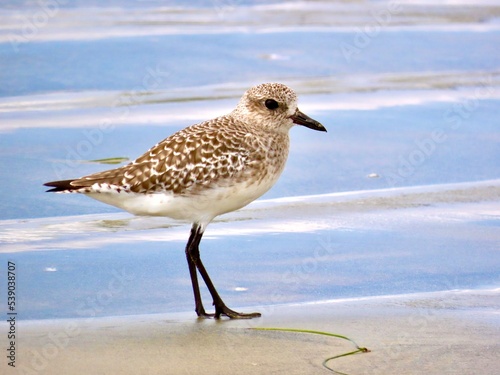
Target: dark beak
300,118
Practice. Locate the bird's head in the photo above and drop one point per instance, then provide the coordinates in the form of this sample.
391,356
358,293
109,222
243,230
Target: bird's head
274,107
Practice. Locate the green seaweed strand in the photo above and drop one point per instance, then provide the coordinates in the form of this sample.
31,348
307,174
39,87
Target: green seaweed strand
325,362
115,160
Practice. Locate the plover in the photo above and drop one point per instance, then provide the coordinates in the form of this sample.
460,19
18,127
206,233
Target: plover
205,170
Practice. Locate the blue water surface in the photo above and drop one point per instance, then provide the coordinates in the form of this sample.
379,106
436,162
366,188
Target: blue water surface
416,103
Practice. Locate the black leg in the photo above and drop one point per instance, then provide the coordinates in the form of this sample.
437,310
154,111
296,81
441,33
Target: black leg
192,253
194,262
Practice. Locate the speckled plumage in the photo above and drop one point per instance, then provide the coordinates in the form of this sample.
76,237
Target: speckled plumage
205,170
215,153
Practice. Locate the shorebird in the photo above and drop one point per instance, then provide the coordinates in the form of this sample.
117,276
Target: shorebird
203,171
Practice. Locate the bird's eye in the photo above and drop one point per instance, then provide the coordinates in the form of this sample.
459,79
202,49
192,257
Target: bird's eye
271,104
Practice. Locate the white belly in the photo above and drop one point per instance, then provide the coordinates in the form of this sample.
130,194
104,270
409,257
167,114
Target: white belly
200,208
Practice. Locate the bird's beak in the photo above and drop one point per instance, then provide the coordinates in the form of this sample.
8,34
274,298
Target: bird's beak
300,118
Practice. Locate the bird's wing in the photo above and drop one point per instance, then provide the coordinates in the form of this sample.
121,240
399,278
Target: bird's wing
196,158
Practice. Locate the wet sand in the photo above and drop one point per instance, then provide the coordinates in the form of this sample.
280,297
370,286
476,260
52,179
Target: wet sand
410,103
430,333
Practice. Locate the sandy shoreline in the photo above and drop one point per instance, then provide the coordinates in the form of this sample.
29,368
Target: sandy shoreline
402,195
430,333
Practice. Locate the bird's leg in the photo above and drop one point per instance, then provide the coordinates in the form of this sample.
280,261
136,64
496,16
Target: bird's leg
220,306
194,261
192,254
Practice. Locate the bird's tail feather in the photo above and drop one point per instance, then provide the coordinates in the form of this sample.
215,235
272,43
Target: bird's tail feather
63,185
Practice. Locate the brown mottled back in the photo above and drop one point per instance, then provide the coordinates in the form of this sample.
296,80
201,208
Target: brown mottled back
213,153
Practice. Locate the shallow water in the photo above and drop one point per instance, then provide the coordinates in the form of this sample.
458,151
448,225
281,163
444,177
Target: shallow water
410,97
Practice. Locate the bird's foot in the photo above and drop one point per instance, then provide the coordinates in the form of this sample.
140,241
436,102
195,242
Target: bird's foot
224,310
200,311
